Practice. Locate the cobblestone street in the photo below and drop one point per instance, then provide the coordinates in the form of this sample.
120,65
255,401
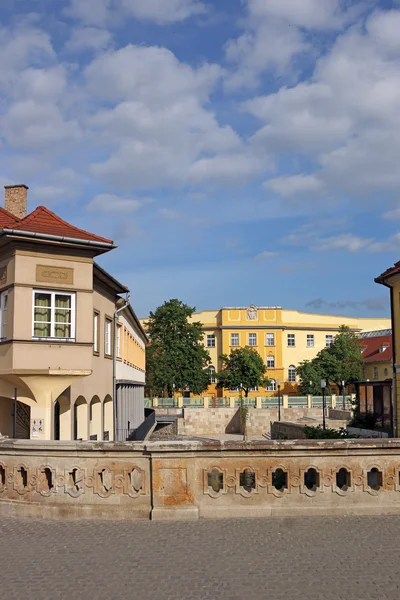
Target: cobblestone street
314,558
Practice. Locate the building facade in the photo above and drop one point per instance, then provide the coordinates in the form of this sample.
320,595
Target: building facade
377,355
391,279
284,338
69,339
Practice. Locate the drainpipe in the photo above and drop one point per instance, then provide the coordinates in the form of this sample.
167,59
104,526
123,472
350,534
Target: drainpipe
394,379
116,313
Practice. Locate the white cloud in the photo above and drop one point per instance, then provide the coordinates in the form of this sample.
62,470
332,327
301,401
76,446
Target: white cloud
392,214
88,38
162,11
294,185
275,33
100,12
158,126
266,254
116,204
226,168
345,241
169,214
392,244
345,119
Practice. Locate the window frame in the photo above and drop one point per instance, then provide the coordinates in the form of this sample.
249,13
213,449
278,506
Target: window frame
271,357
211,337
291,335
96,333
376,373
211,372
326,340
108,319
310,338
3,309
267,335
271,388
238,340
52,307
290,373
248,339
119,341
254,389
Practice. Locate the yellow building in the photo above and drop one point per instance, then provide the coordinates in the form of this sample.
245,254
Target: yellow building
284,338
377,355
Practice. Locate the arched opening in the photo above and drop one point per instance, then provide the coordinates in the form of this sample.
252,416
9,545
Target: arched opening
271,386
292,374
62,418
80,419
95,419
108,418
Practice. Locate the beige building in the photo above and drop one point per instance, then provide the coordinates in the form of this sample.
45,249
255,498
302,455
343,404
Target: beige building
284,338
72,350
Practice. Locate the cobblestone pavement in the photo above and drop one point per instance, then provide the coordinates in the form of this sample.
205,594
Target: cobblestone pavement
313,558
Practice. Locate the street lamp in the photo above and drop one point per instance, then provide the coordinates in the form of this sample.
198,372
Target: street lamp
323,387
311,387
279,399
173,395
344,401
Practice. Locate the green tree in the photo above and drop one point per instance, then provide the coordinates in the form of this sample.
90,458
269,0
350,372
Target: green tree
342,361
176,357
244,368
310,375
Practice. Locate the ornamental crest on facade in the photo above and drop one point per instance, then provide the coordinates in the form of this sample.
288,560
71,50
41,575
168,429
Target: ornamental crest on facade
252,313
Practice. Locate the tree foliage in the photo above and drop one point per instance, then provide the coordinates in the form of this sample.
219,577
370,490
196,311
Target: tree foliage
176,357
243,367
342,361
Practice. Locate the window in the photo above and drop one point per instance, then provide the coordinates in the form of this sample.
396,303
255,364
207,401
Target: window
375,372
96,333
270,339
252,339
3,315
291,339
211,341
53,315
107,337
211,371
119,331
234,339
272,386
271,362
328,341
386,372
310,340
234,389
292,374
254,389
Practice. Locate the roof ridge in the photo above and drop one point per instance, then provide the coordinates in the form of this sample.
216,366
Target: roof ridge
31,217
9,214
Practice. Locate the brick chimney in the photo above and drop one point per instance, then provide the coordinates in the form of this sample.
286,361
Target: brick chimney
16,199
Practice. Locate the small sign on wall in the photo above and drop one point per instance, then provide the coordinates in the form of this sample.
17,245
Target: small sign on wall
49,274
37,428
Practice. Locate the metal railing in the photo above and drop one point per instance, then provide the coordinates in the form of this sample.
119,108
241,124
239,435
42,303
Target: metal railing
138,434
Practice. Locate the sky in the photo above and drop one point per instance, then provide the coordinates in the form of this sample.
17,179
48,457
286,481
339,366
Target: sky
238,151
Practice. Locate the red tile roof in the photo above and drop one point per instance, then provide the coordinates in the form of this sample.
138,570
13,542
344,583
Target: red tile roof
7,219
372,346
42,220
395,270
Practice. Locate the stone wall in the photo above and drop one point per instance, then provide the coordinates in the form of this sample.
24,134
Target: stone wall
287,431
195,479
218,421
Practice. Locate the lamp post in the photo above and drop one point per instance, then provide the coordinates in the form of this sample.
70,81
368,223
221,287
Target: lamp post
173,395
323,387
344,401
279,399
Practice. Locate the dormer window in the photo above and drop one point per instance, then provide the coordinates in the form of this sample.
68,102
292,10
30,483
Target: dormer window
383,347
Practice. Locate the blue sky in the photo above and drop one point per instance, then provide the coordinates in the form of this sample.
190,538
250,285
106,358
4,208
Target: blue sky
238,152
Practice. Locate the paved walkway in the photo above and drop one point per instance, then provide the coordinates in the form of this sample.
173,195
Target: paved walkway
314,558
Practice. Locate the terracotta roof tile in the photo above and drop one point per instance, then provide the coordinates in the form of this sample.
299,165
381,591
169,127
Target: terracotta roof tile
372,347
7,219
388,273
42,220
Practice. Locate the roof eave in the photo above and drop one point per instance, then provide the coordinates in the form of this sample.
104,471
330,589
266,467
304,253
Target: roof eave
105,277
57,238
